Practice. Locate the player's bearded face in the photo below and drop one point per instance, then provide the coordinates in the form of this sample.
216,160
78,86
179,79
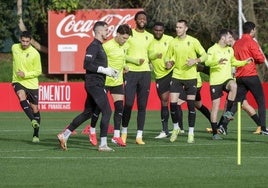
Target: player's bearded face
25,42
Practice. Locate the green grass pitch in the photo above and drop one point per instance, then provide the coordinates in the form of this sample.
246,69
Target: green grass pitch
158,163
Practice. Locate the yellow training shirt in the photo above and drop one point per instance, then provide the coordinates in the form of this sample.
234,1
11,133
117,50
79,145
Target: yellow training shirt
180,50
156,47
29,62
116,55
138,46
219,73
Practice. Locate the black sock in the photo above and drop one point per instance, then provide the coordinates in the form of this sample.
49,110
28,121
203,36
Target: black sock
36,132
204,110
229,105
27,109
191,113
256,119
38,118
118,111
221,121
214,128
174,112
164,118
180,117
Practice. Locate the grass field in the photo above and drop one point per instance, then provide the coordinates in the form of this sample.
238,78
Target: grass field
158,163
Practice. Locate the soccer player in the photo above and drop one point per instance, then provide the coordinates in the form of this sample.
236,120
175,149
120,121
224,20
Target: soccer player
185,52
220,60
247,76
95,64
26,69
138,78
222,125
116,54
157,51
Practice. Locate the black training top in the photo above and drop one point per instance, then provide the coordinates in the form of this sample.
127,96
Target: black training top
95,57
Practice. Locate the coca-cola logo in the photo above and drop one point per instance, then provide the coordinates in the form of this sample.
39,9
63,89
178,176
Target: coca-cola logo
69,26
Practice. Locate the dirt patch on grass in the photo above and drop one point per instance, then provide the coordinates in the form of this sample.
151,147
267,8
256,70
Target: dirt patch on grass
5,57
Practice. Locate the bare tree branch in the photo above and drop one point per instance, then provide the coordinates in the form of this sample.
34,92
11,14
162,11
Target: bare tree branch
22,27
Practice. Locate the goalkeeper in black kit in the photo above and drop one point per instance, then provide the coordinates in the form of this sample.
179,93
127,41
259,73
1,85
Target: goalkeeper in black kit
95,64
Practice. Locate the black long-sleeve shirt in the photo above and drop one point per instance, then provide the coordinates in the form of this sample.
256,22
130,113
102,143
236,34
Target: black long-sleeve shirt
95,57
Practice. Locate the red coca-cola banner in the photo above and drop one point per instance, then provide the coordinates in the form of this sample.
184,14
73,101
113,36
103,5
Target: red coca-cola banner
70,34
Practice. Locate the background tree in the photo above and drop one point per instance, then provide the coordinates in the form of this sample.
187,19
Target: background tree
8,23
205,17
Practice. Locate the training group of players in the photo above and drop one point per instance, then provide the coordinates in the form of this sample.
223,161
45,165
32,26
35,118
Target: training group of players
122,66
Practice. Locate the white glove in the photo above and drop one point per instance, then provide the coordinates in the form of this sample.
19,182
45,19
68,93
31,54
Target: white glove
108,71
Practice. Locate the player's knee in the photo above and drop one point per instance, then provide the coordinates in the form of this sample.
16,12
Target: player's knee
118,106
232,86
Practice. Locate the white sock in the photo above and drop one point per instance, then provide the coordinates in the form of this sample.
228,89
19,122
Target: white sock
176,126
191,130
116,133
92,130
124,130
103,141
139,134
67,133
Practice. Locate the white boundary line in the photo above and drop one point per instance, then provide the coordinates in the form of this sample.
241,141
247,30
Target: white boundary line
151,157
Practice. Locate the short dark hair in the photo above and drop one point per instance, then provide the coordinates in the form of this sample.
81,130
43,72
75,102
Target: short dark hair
124,29
98,24
159,24
138,13
26,34
183,21
235,34
224,32
248,26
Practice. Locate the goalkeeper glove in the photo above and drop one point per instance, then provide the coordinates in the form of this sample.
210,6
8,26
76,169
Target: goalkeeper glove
108,71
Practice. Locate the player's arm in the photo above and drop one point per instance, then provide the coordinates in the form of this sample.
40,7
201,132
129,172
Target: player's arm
134,61
169,58
90,56
257,54
212,60
201,53
237,63
153,54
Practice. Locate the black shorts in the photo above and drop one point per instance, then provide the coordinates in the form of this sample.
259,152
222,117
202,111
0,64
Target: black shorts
184,87
248,83
115,89
216,91
163,84
32,94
